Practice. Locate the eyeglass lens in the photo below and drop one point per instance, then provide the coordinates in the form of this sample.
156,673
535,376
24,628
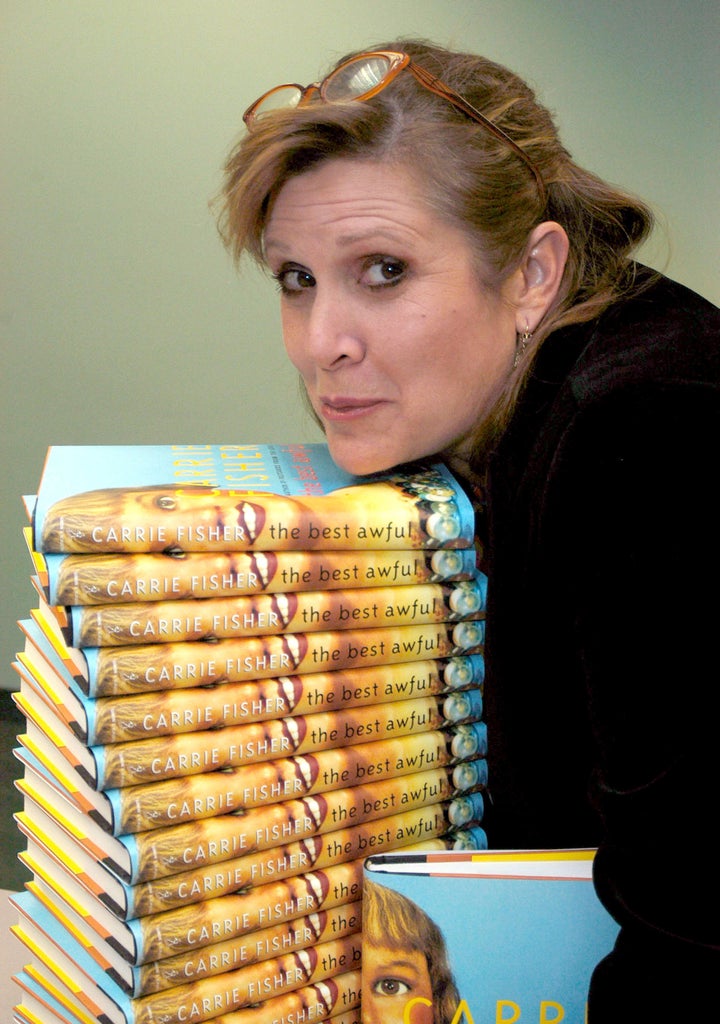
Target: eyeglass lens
356,78
282,98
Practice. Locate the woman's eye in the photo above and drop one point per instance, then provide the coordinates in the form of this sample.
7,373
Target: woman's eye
381,271
293,279
391,987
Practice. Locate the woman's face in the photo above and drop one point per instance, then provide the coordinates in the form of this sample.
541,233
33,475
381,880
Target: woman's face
400,348
396,987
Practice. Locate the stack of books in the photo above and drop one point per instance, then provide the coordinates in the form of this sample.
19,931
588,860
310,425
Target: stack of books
247,672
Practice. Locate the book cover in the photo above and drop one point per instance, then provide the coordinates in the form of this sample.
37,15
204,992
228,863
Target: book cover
239,497
133,762
160,852
113,625
525,950
173,576
188,798
100,720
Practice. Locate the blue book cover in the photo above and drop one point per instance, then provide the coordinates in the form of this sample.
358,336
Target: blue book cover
468,938
174,498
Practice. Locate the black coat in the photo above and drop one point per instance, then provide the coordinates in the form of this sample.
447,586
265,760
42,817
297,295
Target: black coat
602,663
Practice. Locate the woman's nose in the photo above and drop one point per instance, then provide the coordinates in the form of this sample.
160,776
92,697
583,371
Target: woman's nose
334,335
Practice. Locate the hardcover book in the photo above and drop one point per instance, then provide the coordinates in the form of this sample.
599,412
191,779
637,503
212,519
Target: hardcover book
173,576
177,498
464,938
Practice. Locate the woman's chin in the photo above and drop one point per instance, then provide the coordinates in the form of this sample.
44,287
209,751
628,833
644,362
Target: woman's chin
361,460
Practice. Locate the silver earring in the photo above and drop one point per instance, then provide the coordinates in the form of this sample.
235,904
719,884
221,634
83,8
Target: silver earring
521,344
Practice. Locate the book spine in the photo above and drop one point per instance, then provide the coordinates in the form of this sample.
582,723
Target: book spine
312,1003
249,985
138,716
162,757
193,797
282,861
114,625
113,579
287,937
418,513
351,1017
467,840
192,928
106,671
162,852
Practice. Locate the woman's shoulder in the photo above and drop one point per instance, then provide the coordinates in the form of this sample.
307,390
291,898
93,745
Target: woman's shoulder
651,358
661,333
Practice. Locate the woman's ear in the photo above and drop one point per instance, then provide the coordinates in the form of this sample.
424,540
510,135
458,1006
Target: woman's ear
540,274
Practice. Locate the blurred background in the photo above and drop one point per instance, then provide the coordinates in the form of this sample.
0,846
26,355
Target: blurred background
123,320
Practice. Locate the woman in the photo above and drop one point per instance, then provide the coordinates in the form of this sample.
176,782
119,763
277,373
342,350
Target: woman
453,284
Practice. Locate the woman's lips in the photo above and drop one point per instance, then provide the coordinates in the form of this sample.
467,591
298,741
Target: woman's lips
343,408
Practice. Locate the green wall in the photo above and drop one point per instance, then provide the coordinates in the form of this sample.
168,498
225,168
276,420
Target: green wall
122,318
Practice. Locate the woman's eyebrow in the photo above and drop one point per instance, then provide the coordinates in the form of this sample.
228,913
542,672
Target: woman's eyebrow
408,965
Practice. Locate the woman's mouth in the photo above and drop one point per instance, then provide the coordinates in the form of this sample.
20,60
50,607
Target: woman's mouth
342,408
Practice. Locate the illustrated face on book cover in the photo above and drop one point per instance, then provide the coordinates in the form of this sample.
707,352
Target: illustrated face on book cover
392,978
406,974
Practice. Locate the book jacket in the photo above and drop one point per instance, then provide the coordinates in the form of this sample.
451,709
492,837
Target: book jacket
237,497
471,938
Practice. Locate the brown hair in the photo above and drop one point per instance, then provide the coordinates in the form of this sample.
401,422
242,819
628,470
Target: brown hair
392,920
471,178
